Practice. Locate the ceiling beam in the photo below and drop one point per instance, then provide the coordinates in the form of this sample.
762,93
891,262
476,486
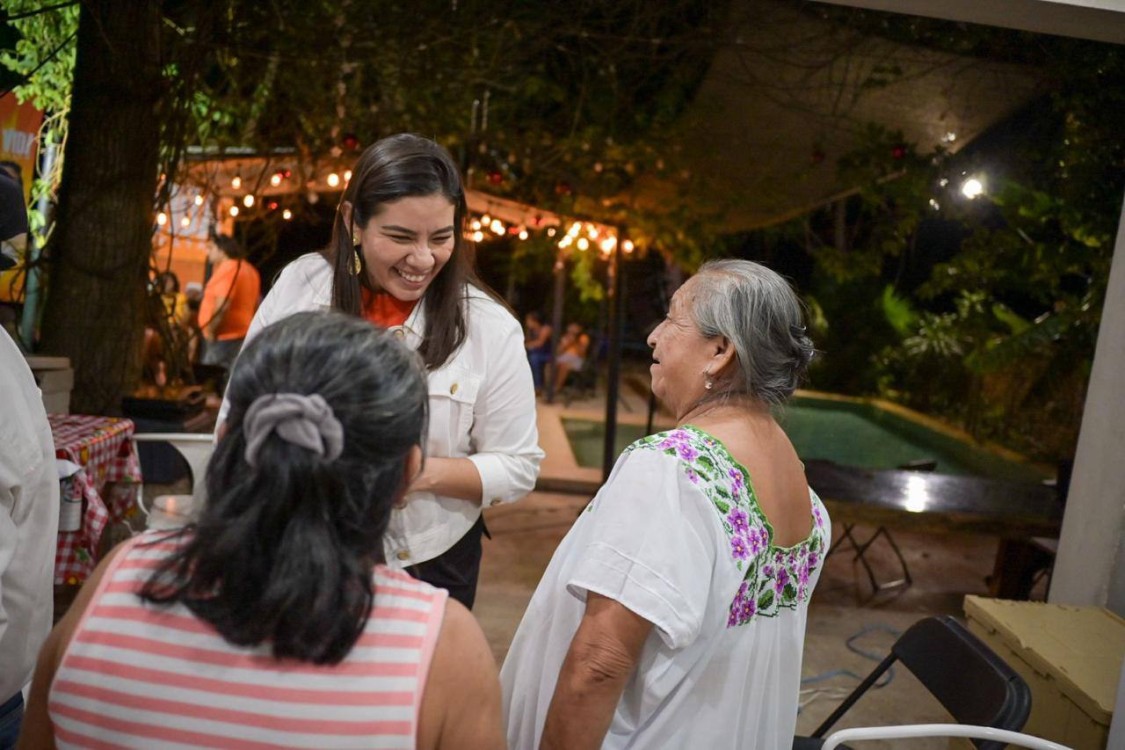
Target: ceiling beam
1099,20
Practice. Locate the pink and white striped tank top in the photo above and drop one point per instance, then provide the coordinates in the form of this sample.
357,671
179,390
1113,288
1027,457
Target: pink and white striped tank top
140,676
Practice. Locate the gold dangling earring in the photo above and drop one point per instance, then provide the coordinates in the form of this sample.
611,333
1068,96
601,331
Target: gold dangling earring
356,264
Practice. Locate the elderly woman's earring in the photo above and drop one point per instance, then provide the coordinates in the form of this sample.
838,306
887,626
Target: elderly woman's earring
356,265
708,383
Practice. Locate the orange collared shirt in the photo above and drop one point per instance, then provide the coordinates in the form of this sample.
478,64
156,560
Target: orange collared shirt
384,310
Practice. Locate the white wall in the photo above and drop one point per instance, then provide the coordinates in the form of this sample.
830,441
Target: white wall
1088,569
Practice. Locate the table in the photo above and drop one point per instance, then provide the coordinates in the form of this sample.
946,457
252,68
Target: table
105,486
943,503
930,502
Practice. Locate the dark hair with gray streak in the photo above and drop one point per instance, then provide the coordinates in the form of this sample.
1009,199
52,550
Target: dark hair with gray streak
760,314
283,550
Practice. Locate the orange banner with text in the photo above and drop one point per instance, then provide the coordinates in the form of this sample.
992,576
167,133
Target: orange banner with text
19,136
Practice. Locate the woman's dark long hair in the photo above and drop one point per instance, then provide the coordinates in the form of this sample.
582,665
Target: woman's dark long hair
406,166
283,551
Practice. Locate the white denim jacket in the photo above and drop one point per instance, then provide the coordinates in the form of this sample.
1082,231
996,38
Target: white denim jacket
482,406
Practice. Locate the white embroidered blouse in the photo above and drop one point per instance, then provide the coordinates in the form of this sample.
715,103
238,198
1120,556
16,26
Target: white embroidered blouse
676,536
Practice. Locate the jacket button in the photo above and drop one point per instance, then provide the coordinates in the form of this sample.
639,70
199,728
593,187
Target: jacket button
453,389
402,555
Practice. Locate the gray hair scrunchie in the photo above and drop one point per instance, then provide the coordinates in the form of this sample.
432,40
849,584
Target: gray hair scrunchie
307,421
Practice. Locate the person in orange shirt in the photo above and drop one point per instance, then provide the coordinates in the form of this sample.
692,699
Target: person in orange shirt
230,300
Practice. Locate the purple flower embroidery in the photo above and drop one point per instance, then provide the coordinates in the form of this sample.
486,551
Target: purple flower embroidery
803,574
739,521
767,571
738,547
818,516
736,480
757,539
813,559
687,453
782,579
693,476
749,608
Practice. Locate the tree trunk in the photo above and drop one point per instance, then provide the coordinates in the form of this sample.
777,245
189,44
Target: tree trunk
100,250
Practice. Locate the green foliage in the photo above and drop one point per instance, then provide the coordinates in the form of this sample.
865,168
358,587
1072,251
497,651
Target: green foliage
898,311
43,59
1006,327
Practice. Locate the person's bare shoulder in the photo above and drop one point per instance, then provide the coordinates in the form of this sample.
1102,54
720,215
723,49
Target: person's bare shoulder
461,705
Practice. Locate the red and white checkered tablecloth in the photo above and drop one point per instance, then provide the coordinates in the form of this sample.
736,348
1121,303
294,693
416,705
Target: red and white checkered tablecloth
106,484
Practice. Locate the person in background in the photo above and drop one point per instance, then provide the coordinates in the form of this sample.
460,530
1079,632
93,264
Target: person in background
397,259
673,613
573,348
229,301
272,620
538,345
29,521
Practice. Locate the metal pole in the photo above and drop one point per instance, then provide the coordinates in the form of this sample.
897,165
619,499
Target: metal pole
30,319
613,305
556,323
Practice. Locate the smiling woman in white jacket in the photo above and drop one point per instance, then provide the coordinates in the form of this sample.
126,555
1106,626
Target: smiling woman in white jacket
396,258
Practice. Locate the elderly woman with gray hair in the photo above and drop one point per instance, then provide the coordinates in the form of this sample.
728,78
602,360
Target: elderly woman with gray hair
673,613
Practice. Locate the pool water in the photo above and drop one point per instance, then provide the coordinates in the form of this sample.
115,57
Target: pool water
851,433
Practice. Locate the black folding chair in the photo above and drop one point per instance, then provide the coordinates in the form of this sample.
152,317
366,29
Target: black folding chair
973,684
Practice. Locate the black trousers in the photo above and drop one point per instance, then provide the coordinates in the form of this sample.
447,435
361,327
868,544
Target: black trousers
456,570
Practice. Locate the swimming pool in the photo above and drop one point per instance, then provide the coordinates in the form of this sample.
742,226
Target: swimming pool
855,432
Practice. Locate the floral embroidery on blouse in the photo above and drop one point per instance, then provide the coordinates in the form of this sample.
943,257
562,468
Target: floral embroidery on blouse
773,577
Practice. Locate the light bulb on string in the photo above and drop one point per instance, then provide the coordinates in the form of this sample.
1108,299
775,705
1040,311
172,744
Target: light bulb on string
347,175
287,214
185,222
236,182
496,226
627,246
162,218
248,201
486,220
475,225
551,231
478,236
275,179
583,244
333,179
523,234
234,210
199,200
